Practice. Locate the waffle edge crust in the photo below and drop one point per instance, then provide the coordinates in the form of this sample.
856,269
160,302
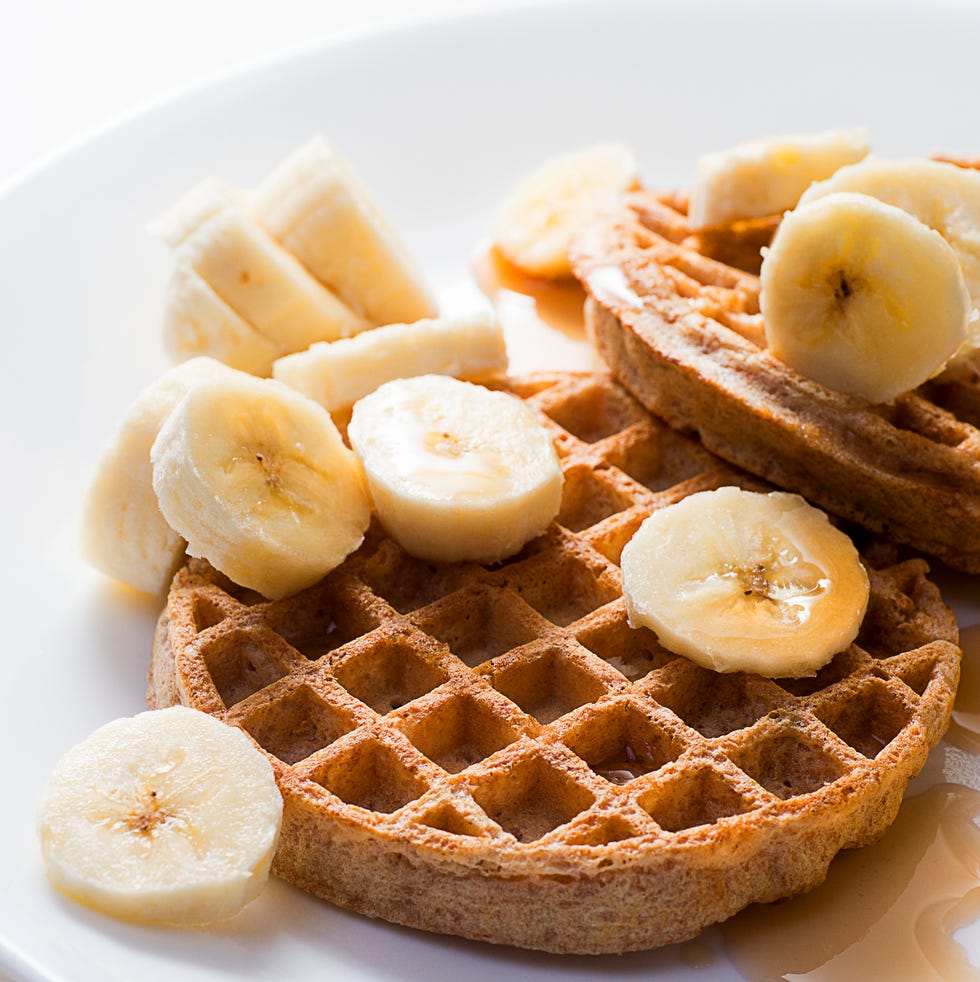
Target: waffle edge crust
682,331
491,752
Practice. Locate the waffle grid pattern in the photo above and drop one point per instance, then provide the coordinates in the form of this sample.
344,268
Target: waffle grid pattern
507,721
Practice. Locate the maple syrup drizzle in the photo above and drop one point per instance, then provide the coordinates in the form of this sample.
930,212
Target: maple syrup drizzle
890,910
543,320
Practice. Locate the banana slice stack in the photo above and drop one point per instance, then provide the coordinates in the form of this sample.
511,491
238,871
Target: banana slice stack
304,257
302,278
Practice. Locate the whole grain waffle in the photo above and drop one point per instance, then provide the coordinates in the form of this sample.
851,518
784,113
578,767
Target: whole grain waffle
492,752
682,331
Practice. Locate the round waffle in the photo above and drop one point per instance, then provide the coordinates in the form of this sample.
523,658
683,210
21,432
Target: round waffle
492,752
682,331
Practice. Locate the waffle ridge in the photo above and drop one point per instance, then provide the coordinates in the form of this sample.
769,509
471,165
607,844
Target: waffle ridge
492,752
675,314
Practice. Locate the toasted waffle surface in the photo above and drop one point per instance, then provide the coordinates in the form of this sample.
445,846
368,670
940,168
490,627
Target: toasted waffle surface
682,331
492,752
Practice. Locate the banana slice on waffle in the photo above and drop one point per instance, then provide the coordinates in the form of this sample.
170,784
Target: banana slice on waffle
493,752
684,333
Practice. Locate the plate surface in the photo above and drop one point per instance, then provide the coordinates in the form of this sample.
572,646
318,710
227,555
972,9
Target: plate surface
440,119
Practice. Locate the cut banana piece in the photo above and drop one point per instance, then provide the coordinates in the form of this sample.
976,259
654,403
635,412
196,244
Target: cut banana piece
457,472
740,581
123,533
166,817
263,283
316,206
194,208
196,321
766,177
257,479
941,195
338,373
537,222
862,297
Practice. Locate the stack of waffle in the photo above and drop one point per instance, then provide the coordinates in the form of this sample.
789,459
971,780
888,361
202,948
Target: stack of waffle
676,316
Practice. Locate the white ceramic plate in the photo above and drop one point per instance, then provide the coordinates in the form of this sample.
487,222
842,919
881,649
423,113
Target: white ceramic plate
440,118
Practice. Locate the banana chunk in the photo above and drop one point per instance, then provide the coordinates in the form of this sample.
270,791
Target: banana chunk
941,195
538,220
194,208
263,283
338,373
236,294
316,206
196,321
741,581
767,177
862,297
123,533
168,817
257,479
457,472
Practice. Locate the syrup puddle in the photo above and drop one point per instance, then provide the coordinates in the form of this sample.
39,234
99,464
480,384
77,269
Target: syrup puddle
542,319
891,910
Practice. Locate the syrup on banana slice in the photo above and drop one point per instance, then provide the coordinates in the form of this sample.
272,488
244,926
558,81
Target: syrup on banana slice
742,581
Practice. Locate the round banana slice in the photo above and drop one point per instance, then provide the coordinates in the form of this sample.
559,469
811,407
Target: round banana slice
536,223
257,479
941,195
741,581
862,297
457,472
122,532
169,817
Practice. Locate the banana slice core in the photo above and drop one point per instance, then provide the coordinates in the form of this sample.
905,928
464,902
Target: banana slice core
741,581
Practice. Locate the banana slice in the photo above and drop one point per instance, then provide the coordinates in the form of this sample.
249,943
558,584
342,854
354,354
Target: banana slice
457,472
741,581
315,205
767,177
263,283
194,208
862,297
941,195
168,817
538,220
338,373
196,321
123,533
257,479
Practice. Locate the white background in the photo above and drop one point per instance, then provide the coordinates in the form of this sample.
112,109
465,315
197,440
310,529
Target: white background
70,67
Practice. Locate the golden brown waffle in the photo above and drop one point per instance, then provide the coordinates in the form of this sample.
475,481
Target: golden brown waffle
492,752
683,333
